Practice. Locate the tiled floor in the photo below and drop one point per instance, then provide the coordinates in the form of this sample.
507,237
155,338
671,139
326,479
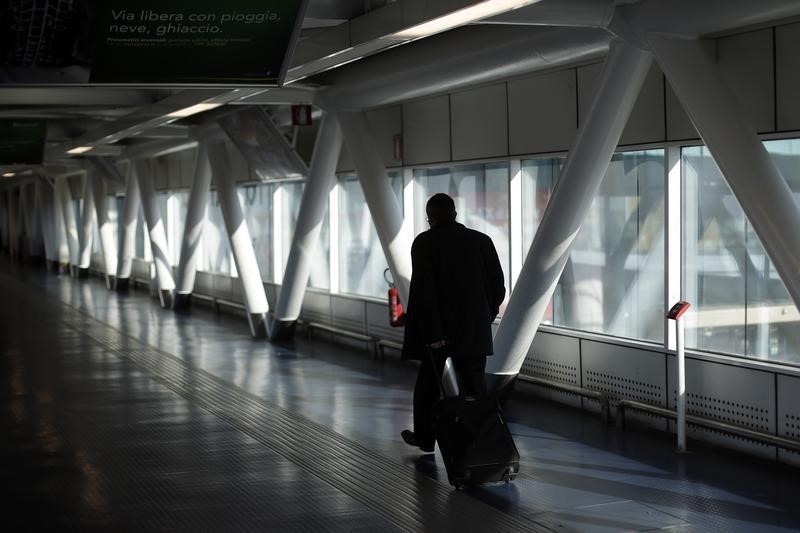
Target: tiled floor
118,415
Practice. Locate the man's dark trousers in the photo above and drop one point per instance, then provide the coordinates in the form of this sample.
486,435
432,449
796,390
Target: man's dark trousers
471,382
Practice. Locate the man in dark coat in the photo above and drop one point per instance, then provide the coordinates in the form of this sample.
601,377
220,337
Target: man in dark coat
456,291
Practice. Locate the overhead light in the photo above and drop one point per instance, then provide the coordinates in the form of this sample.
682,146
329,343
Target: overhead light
9,174
469,14
193,110
80,150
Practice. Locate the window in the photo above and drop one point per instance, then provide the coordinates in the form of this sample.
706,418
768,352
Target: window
111,203
481,195
256,200
613,282
215,239
320,277
741,305
361,258
290,195
177,204
142,249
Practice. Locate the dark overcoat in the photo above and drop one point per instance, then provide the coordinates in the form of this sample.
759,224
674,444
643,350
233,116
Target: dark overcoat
456,291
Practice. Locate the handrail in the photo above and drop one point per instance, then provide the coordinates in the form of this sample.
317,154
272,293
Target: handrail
383,344
344,333
605,404
723,427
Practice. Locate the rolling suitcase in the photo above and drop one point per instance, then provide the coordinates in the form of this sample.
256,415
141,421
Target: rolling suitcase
475,442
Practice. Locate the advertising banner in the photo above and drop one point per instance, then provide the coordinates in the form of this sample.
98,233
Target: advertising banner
149,42
22,141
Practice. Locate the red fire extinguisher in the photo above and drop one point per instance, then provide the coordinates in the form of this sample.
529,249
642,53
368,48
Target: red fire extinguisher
397,316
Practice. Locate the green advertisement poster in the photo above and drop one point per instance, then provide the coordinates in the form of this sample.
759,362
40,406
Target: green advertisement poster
22,141
194,41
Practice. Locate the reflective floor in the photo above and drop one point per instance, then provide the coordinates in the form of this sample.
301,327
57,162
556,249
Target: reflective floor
118,415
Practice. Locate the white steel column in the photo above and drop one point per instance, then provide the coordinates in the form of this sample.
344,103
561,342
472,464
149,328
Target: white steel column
108,242
44,197
13,223
4,219
24,217
193,229
64,196
88,220
128,220
623,74
755,180
156,231
321,179
244,256
36,228
60,240
381,201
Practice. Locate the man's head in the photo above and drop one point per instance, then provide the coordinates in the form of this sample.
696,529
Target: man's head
440,209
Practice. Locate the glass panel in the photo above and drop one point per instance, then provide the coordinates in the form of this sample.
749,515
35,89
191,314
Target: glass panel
714,257
742,307
480,193
256,201
95,239
215,239
163,211
613,282
538,179
179,204
292,194
142,238
321,264
773,322
361,258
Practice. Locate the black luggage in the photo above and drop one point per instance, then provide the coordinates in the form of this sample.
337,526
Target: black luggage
474,440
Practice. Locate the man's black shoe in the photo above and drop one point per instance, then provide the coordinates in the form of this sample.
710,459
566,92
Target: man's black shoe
411,439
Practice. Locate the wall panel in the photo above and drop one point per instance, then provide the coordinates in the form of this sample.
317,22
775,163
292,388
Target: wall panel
349,314
732,394
646,123
789,415
787,60
378,323
316,307
426,130
625,372
543,112
479,122
555,358
746,65
679,125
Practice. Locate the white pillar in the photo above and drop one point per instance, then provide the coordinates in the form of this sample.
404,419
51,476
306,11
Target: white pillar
623,74
321,179
193,229
4,219
13,230
60,241
244,256
37,229
755,180
88,221
64,196
381,201
44,198
24,217
108,241
128,220
156,231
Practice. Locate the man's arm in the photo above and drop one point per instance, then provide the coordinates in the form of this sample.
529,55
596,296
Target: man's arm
495,280
426,302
